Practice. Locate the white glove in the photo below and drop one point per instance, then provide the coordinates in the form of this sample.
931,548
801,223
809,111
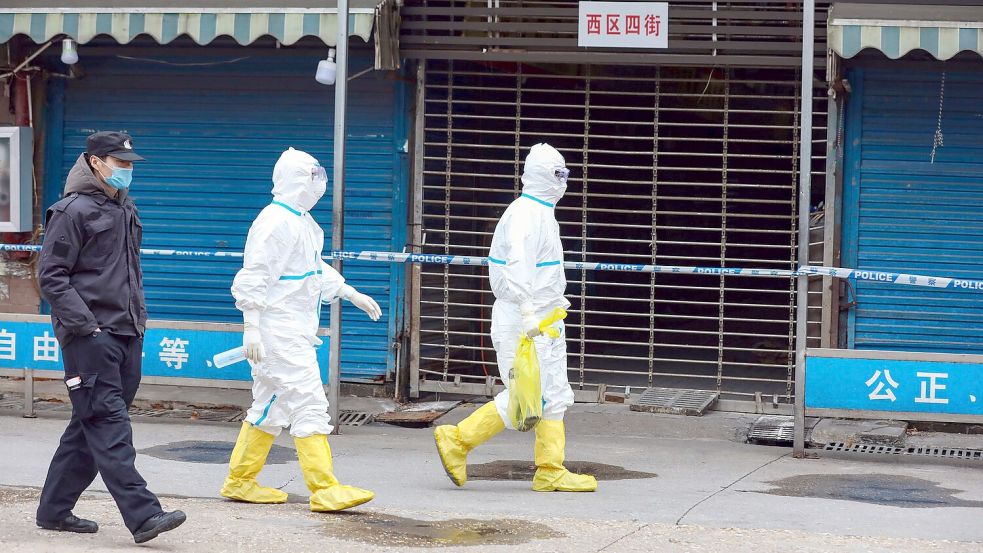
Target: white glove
252,340
361,301
530,323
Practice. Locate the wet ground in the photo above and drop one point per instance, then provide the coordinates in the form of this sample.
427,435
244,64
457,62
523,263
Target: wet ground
524,470
878,489
397,531
665,484
216,526
193,451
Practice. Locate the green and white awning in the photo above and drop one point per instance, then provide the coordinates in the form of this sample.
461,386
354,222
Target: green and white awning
895,30
202,20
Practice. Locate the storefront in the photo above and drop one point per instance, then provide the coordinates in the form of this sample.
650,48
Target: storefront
685,156
902,330
211,97
912,192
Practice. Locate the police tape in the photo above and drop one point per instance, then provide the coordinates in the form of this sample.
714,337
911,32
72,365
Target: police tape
904,279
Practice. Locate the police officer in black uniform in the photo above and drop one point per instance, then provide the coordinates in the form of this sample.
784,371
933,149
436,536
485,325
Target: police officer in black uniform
90,274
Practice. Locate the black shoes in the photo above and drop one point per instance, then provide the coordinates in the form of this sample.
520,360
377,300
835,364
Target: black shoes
71,523
149,530
159,523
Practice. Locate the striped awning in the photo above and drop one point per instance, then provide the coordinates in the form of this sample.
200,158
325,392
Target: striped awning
203,20
895,30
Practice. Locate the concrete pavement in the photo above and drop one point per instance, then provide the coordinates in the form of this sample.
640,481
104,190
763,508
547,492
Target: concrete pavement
666,483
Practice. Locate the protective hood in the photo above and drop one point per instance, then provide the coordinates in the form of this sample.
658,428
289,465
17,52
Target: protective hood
292,180
538,178
82,179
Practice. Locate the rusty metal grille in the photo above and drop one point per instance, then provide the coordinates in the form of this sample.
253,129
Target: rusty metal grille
671,166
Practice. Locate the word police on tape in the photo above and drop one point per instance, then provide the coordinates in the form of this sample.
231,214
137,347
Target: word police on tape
400,257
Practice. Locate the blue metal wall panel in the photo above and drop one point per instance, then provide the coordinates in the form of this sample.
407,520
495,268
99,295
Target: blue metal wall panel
211,134
904,213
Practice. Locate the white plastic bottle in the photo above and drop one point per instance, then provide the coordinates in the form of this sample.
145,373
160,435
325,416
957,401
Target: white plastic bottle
227,358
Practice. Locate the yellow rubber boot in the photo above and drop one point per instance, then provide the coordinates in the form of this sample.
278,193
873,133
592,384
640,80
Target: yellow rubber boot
327,494
455,442
248,458
551,476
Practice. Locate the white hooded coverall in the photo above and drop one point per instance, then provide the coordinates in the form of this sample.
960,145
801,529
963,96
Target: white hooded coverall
284,278
526,272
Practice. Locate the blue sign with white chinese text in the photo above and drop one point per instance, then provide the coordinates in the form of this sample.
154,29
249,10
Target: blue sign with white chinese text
166,352
894,385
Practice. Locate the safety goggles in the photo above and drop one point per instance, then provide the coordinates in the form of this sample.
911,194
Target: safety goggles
561,173
319,174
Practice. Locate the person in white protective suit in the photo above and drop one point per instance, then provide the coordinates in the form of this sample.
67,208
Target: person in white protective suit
526,271
280,289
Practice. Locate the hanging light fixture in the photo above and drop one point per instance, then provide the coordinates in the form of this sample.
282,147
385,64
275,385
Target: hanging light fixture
69,52
327,69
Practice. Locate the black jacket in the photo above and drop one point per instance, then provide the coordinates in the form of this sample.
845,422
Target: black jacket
90,261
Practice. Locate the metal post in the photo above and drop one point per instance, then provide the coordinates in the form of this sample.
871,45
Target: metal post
830,312
805,186
338,206
29,394
836,94
416,228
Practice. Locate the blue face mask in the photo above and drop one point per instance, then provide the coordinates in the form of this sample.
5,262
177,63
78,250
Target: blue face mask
120,179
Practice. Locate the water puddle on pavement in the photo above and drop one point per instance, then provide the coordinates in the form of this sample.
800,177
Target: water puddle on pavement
211,452
879,489
524,470
395,531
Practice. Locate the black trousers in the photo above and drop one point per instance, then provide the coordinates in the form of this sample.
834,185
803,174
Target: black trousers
99,436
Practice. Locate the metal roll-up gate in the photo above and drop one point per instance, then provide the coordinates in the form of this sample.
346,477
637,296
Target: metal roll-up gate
670,166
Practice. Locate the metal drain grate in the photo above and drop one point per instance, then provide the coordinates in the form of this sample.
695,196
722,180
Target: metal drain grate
218,415
214,415
11,403
772,430
354,418
674,401
137,412
941,452
14,402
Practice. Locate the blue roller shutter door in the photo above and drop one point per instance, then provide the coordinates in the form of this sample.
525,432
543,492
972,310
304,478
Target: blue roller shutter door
211,134
904,213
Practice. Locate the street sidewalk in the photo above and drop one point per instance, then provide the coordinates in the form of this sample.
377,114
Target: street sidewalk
667,483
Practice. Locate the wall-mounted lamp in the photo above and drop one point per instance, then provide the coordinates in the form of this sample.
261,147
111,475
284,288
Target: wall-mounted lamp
327,69
69,52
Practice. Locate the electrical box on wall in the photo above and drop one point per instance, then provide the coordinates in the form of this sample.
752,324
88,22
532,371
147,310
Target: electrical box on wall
16,179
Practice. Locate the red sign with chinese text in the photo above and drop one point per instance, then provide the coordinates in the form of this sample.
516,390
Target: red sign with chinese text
623,25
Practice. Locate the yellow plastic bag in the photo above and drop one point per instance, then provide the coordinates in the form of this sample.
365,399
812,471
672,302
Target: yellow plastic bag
525,407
